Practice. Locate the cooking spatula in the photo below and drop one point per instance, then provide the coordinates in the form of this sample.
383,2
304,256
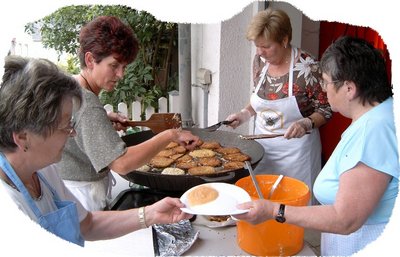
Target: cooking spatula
159,122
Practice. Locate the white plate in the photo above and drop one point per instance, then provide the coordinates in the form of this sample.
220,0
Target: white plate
229,196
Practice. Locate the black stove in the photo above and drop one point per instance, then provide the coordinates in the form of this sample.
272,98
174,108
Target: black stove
138,197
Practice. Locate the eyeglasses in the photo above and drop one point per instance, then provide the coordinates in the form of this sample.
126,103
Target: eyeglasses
70,128
324,84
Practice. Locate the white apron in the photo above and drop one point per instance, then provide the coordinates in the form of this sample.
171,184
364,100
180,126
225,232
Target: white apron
299,158
93,195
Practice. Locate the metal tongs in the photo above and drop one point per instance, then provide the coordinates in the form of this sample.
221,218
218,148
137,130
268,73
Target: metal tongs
218,125
261,136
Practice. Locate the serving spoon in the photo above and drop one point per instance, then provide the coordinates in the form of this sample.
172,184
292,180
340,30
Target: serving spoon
274,186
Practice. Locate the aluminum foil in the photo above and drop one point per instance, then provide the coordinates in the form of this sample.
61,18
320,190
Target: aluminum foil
174,239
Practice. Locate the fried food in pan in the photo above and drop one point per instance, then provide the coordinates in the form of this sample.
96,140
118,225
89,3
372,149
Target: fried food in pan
173,171
161,162
176,156
199,143
210,145
233,165
187,165
179,149
166,153
209,161
227,150
184,158
237,157
201,170
202,153
171,145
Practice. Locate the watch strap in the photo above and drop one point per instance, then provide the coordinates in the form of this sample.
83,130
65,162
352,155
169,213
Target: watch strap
280,217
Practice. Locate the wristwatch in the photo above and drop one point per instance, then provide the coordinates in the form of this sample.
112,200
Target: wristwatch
280,217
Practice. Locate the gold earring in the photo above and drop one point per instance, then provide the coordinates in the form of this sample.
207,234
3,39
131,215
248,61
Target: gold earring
25,149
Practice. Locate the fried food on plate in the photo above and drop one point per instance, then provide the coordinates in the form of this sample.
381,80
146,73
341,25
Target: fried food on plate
201,195
218,218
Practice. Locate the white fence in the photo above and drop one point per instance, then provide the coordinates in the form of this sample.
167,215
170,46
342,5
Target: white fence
165,105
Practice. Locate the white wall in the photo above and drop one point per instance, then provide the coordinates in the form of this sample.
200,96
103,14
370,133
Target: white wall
205,54
235,68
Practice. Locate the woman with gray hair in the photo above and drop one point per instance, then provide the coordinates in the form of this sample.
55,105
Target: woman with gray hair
37,107
358,186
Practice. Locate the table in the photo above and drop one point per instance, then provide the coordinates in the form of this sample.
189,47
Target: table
211,241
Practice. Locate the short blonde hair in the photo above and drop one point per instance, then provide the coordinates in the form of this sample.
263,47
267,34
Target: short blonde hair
272,24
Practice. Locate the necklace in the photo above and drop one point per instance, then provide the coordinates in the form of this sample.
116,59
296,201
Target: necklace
34,188
87,83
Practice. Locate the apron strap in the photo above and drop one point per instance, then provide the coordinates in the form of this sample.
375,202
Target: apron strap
293,54
111,182
54,192
263,75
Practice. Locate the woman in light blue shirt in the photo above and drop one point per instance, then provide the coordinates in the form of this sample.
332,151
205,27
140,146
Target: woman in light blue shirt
358,186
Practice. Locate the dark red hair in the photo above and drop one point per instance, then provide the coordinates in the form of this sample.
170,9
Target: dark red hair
105,36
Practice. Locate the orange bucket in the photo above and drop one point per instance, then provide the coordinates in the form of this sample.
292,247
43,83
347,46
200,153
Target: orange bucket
272,238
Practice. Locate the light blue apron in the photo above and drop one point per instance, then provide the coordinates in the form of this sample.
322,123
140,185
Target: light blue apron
63,222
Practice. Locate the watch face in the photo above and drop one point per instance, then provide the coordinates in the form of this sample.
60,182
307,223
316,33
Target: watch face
280,219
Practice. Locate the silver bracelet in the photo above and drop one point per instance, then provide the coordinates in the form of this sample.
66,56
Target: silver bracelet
142,218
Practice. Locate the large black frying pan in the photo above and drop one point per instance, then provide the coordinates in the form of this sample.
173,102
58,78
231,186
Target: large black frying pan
182,183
